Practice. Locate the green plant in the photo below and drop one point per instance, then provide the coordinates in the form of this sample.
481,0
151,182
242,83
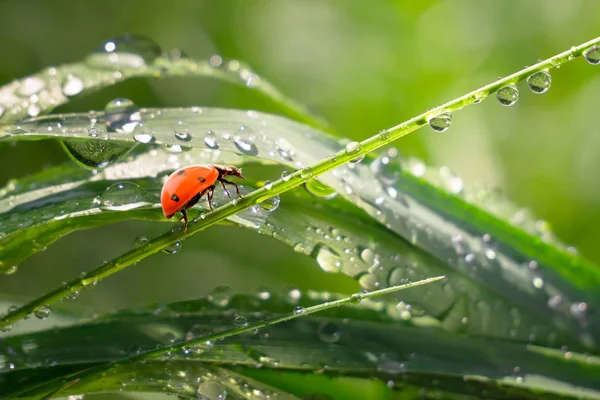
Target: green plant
512,297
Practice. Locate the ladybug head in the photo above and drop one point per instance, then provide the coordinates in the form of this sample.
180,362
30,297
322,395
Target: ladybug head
228,170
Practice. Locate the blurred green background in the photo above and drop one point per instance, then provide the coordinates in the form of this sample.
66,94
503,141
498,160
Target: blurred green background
364,66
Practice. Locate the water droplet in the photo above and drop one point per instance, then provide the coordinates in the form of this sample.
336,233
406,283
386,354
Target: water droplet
220,295
30,86
246,146
72,85
329,332
268,185
299,310
440,123
539,82
140,241
285,149
592,55
264,294
555,302
354,148
508,95
94,153
122,115
182,132
43,312
240,322
173,247
356,298
11,270
211,390
270,204
210,140
328,259
124,52
306,172
143,133
33,110
285,176
538,282
479,97
124,196
319,189
367,256
580,312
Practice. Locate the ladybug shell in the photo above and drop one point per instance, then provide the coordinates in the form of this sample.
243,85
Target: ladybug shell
183,184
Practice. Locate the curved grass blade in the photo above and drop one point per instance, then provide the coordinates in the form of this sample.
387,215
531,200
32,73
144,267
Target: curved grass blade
362,341
504,272
131,57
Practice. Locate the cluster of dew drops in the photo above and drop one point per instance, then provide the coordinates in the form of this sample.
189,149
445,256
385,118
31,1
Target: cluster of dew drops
538,83
119,57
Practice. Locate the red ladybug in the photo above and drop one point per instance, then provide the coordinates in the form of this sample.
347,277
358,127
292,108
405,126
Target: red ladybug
186,186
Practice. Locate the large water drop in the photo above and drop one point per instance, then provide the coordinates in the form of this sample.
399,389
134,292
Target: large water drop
508,95
539,82
122,115
592,55
440,123
124,196
328,259
124,52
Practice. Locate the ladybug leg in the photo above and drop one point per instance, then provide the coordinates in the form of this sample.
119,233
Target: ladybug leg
224,188
209,194
237,188
185,219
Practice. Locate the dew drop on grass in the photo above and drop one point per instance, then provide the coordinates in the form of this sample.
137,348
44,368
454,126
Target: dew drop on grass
271,204
285,176
240,322
143,133
299,310
246,146
122,115
210,140
329,332
42,312
356,298
285,149
440,123
220,295
538,282
124,196
306,172
354,148
367,256
30,86
268,185
508,95
140,241
592,55
182,131
539,82
328,259
211,390
124,52
72,85
11,270
319,189
173,248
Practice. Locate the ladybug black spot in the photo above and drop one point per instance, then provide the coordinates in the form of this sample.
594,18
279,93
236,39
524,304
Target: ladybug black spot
181,172
201,179
174,197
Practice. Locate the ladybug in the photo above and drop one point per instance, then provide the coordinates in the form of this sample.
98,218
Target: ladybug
186,186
